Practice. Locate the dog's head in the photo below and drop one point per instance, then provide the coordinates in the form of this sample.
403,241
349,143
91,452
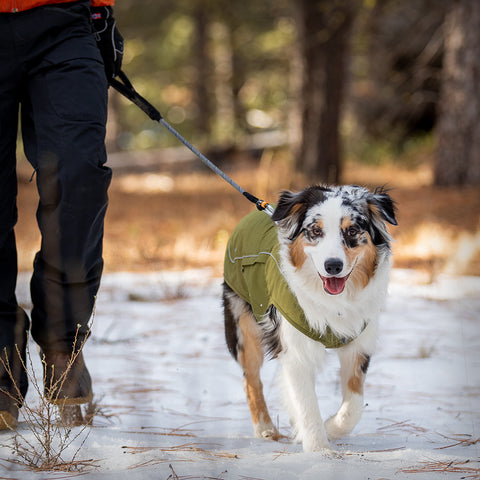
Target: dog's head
341,230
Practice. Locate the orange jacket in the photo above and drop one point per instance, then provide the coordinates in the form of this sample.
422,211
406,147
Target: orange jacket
20,5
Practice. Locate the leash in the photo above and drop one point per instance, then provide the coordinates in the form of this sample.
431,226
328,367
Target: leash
126,89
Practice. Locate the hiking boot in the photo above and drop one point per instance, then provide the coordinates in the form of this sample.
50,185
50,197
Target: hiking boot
8,412
66,379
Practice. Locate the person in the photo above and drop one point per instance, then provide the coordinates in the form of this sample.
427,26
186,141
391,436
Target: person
56,57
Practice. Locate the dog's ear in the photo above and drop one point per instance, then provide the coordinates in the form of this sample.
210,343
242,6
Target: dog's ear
289,213
380,203
382,209
292,208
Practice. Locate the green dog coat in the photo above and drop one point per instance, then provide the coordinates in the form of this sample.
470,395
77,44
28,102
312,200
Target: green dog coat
252,270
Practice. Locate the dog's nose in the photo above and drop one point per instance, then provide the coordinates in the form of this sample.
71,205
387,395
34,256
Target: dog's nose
333,266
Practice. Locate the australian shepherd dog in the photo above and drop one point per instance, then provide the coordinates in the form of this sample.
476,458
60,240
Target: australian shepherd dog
333,255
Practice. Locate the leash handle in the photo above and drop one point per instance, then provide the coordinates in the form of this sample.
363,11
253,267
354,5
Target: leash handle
125,88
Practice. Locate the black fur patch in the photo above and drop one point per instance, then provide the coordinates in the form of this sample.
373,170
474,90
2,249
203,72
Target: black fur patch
313,232
231,335
386,205
365,364
271,333
269,326
352,240
370,211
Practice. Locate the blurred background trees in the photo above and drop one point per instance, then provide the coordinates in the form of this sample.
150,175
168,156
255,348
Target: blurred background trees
324,29
327,79
458,150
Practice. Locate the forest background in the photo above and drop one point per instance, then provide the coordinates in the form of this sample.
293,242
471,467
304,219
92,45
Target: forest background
281,94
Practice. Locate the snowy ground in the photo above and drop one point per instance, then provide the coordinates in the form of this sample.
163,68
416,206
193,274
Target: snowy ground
173,406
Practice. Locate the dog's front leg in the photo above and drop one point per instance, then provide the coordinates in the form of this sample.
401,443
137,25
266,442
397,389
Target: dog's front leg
353,368
301,399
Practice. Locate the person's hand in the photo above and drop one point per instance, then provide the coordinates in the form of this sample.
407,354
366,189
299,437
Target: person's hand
109,40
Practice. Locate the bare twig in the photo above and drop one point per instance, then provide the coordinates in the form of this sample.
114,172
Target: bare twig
404,426
441,467
52,436
466,441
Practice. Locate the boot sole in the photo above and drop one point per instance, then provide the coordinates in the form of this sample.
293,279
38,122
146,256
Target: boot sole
66,401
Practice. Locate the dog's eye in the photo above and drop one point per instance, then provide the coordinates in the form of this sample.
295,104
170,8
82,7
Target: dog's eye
352,232
316,231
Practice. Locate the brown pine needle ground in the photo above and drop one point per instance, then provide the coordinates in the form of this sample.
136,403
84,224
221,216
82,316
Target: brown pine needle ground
171,220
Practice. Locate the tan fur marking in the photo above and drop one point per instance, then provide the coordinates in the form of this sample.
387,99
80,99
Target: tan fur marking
364,256
375,211
251,359
297,254
355,382
346,222
295,209
366,264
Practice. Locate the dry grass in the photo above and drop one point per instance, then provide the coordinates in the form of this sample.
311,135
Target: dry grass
201,452
175,476
404,426
469,472
46,443
166,220
459,439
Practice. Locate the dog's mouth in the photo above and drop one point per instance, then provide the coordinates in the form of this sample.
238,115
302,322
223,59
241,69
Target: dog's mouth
334,285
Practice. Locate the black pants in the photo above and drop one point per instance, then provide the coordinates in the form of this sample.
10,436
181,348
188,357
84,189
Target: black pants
51,67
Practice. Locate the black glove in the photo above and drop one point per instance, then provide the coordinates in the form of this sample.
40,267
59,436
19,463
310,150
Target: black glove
109,40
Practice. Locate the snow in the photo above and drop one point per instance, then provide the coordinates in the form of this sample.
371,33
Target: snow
172,401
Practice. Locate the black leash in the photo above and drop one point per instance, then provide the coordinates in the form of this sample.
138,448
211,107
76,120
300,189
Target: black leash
125,88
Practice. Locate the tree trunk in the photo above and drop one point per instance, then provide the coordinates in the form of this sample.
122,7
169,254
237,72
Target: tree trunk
203,70
324,28
224,132
458,130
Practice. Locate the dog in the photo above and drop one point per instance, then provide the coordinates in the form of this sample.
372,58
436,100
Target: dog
311,277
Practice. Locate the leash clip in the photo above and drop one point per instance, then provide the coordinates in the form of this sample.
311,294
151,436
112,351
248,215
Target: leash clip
264,206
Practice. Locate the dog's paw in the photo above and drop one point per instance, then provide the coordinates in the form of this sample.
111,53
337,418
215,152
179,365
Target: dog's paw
271,434
316,445
339,426
322,448
334,430
268,432
344,421
330,453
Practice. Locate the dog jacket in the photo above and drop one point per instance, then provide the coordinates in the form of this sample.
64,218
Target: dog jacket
252,270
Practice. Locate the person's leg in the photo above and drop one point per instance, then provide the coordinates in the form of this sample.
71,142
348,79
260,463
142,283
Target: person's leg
14,322
64,122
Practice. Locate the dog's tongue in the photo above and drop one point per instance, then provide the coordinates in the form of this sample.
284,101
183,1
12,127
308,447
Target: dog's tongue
334,285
